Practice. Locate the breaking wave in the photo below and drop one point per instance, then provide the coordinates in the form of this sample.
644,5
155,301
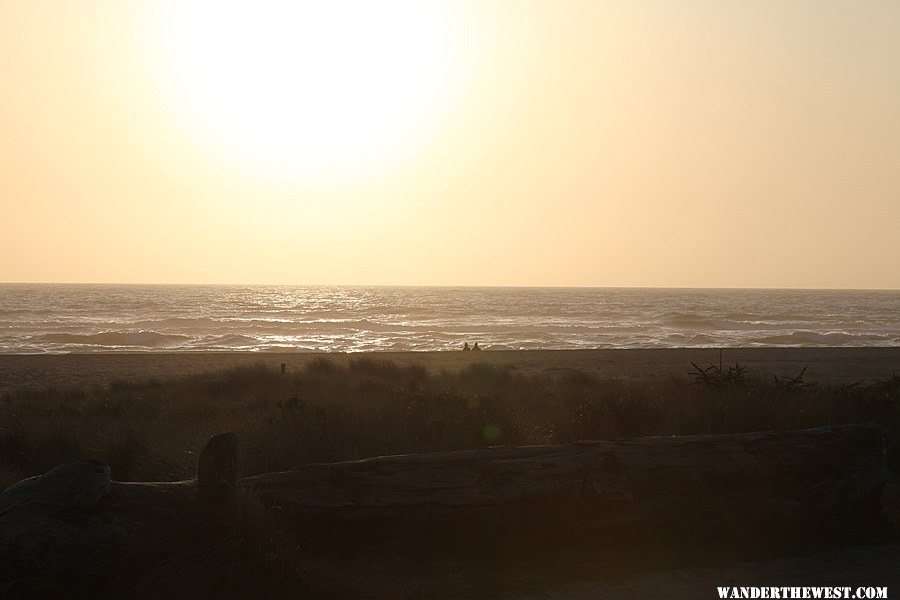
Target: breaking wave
83,318
149,339
833,338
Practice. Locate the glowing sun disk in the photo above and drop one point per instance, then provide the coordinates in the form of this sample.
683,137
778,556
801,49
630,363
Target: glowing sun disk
302,88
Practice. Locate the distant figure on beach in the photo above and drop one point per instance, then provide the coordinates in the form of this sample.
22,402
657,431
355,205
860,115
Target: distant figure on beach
476,348
466,347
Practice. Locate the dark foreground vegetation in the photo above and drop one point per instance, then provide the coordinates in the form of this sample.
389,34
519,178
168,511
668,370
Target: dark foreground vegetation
151,431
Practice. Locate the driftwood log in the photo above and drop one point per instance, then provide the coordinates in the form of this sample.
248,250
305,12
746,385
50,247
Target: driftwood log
74,518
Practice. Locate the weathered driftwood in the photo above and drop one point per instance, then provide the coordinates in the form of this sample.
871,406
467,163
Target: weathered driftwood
829,468
218,475
53,524
633,491
71,518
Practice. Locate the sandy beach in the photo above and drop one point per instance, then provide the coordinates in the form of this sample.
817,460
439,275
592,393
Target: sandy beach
825,365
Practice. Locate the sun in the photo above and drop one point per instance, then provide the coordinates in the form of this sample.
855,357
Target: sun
310,90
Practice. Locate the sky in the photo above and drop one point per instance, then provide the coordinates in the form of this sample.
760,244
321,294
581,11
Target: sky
695,143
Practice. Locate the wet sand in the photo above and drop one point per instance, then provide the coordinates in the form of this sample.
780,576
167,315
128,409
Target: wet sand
826,365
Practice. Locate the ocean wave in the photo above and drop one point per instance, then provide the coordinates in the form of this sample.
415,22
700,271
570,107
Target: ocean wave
697,322
692,339
814,338
60,319
496,347
227,341
149,339
177,322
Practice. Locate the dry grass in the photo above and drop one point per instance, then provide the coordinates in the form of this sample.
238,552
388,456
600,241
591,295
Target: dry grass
151,430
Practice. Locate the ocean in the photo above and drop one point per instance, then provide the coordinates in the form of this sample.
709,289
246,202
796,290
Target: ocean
69,318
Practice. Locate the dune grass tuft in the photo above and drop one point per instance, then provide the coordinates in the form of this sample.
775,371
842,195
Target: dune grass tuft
151,429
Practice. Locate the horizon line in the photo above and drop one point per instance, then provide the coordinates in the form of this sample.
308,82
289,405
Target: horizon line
452,286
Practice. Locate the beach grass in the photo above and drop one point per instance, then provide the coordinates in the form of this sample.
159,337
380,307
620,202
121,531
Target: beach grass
151,429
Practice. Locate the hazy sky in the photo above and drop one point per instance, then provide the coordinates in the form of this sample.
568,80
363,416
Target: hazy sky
491,142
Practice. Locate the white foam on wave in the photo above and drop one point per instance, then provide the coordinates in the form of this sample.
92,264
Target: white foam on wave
830,338
149,339
60,318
